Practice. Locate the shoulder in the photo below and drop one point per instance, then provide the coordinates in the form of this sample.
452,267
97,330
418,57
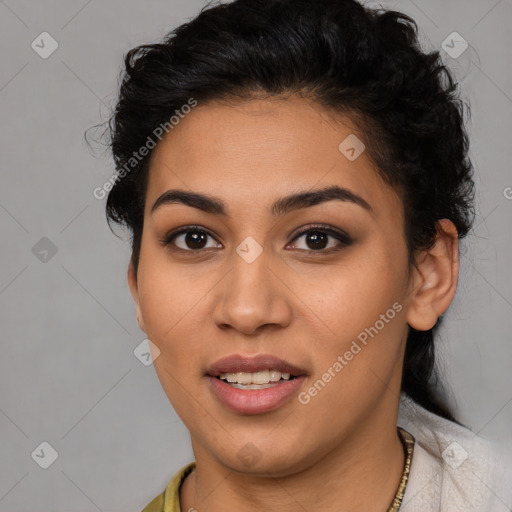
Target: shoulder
452,467
156,505
169,500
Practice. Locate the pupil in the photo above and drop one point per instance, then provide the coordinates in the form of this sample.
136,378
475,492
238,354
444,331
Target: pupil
196,239
319,239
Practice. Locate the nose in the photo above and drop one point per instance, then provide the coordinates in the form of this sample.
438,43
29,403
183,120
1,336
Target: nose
253,296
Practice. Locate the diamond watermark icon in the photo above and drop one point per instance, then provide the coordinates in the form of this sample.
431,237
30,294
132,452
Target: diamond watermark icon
45,455
454,45
454,455
146,352
44,45
249,249
249,454
352,147
44,250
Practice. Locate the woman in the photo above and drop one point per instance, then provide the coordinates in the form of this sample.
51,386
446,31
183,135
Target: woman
295,177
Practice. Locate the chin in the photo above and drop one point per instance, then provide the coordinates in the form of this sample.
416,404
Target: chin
252,459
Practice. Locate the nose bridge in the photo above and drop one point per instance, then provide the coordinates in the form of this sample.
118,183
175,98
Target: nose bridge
252,296
250,280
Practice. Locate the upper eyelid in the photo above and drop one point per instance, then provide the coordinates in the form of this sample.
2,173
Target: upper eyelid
320,227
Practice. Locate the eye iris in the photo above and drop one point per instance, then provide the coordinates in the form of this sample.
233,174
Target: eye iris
318,238
196,239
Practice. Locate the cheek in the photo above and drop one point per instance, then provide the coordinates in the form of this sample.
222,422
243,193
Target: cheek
355,366
172,304
169,307
362,322
351,297
365,339
181,389
169,296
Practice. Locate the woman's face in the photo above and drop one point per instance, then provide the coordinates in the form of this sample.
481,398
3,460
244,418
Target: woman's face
261,277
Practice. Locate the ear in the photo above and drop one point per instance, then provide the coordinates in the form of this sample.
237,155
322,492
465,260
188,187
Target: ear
434,278
134,289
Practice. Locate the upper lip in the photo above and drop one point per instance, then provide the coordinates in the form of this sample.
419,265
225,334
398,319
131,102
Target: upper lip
236,363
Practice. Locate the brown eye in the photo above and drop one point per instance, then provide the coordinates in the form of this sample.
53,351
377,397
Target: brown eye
317,240
190,239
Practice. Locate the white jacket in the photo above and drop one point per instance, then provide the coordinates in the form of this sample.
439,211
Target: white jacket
452,469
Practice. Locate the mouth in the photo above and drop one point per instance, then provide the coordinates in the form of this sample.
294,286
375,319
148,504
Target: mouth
258,370
253,385
262,379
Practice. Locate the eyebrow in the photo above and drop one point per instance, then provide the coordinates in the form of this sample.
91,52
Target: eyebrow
286,204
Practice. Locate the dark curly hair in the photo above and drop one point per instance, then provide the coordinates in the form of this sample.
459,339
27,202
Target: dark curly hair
347,58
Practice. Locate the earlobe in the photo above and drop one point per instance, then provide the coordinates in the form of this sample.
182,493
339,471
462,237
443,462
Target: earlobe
133,285
434,279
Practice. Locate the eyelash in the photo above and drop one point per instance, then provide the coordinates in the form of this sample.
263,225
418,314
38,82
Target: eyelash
342,237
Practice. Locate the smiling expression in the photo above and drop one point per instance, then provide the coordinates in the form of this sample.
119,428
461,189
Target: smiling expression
261,237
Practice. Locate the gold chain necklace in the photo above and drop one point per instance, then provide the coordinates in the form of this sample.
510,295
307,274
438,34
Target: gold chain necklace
408,444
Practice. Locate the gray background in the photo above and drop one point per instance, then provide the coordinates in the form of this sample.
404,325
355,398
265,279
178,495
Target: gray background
68,374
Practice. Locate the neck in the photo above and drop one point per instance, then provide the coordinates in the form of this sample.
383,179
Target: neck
361,474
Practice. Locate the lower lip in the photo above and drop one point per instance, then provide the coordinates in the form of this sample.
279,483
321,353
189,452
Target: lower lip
254,401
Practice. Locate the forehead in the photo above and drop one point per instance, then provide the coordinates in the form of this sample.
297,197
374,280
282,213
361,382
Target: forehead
249,153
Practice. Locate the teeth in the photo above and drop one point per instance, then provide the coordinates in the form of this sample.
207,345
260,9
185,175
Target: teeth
275,375
261,377
253,386
244,378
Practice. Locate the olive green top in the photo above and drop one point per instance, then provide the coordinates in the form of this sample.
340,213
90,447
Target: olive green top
169,500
